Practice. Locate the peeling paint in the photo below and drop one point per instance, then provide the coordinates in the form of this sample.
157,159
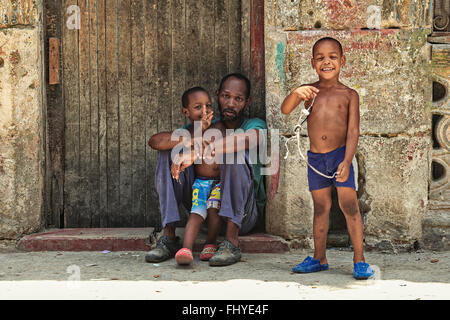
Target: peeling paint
347,14
17,13
280,62
14,57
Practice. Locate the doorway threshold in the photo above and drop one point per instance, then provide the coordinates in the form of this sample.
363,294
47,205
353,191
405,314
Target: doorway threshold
132,239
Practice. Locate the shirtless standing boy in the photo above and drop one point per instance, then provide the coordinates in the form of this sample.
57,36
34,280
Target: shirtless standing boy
333,130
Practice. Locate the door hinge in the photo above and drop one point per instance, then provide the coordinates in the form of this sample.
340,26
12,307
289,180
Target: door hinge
53,60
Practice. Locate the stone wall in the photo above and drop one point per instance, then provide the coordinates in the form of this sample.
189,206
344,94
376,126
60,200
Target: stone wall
21,125
436,222
390,69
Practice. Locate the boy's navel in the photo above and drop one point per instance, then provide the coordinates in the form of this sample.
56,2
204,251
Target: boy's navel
324,137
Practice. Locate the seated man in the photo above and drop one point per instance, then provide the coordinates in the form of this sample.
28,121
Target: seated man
242,189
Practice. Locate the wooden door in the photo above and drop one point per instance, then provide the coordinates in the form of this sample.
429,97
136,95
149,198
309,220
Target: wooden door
123,68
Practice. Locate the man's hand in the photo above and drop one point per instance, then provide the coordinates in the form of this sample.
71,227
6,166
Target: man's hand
306,92
181,162
343,171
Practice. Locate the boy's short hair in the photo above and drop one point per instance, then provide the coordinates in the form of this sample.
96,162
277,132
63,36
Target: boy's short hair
239,76
185,96
328,39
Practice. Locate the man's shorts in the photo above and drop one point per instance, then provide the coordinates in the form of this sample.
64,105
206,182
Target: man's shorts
327,163
205,195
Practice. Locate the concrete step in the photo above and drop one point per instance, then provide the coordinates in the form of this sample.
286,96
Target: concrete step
132,239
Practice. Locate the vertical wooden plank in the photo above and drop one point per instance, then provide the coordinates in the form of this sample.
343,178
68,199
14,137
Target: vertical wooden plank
164,65
54,181
221,39
122,217
178,61
94,169
153,217
234,44
257,61
245,37
72,130
53,54
112,111
245,42
102,121
83,191
206,71
139,142
193,30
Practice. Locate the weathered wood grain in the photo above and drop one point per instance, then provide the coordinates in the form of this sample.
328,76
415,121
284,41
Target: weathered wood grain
82,214
124,73
152,111
54,182
112,112
102,219
72,120
94,168
123,217
179,56
138,109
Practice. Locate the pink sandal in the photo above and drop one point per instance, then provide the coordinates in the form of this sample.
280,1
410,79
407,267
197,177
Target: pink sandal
184,256
207,252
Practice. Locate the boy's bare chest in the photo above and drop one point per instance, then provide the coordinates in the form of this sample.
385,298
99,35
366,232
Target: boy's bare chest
330,104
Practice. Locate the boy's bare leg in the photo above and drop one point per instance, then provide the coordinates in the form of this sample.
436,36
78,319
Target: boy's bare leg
191,230
322,205
214,223
348,202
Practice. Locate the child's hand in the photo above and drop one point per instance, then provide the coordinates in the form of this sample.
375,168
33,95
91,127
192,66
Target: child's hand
209,150
206,118
306,92
343,171
302,93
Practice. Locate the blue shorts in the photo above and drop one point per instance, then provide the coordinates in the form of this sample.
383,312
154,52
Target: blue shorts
327,163
205,195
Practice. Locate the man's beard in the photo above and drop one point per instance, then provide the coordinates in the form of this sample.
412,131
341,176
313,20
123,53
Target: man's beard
233,117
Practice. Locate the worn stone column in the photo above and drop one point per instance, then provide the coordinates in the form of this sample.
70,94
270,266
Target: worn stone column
388,62
21,118
436,222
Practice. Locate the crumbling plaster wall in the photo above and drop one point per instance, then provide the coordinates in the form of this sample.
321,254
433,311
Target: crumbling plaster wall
21,125
389,67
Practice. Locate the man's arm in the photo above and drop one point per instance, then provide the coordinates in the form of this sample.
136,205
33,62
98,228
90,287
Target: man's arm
351,142
236,142
252,137
162,141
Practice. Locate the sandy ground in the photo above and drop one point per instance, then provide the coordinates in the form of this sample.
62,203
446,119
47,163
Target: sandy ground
125,275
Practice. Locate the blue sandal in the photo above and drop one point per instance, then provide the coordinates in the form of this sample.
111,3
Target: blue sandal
362,271
309,265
